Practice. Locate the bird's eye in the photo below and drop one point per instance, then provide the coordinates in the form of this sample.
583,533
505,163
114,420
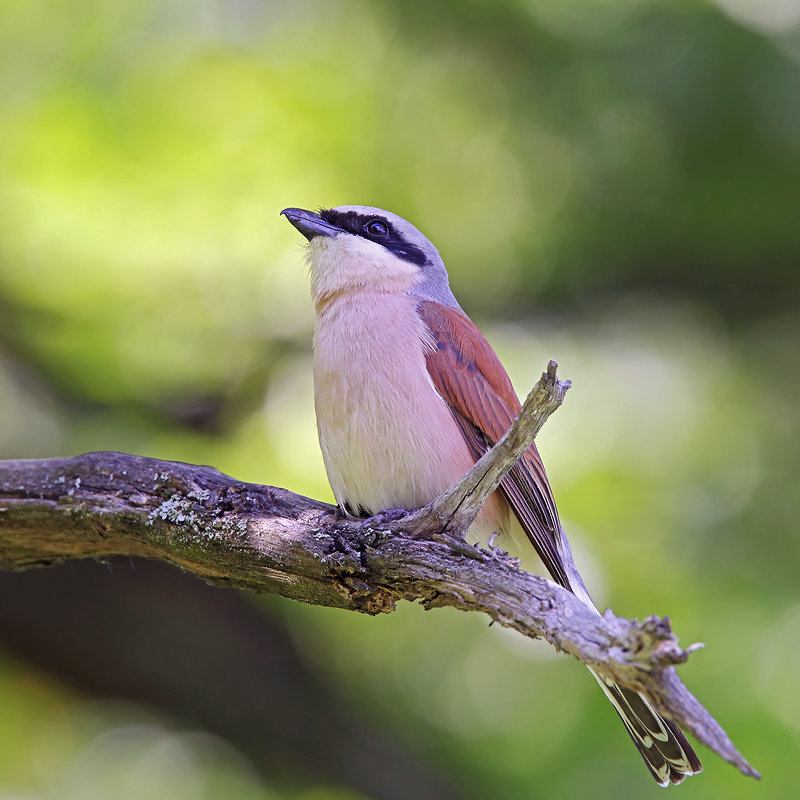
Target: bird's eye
376,227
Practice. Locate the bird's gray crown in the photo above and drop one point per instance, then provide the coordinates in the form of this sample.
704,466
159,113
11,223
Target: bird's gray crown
402,239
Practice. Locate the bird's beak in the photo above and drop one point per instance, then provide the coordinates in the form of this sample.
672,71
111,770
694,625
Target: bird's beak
309,223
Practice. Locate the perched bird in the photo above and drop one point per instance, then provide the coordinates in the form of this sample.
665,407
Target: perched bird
409,394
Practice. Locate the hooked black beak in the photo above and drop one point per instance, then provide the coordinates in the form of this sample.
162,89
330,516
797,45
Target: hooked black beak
309,223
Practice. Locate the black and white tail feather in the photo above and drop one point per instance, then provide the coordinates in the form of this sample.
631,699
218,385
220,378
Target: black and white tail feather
661,743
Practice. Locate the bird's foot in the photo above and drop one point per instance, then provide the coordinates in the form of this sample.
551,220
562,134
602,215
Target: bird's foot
335,512
382,517
497,553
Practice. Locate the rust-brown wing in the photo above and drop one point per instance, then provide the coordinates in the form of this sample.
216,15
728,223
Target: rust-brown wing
469,376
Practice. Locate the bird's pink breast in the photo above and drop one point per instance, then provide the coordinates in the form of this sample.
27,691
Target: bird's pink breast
388,438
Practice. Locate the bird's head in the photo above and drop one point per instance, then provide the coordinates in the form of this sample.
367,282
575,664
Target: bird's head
358,248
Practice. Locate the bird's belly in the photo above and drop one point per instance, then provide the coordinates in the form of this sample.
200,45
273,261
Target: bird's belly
388,438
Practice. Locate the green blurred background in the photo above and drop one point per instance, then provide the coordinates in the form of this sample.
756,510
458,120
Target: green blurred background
615,185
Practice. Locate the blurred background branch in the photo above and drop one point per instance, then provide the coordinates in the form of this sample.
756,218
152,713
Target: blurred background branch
210,658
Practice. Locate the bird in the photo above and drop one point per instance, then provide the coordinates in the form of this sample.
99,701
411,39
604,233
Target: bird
408,395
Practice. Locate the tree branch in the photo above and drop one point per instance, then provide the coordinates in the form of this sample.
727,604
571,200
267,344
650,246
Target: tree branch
268,539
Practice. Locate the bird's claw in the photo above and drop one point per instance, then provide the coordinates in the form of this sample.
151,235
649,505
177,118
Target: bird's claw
497,553
382,517
336,513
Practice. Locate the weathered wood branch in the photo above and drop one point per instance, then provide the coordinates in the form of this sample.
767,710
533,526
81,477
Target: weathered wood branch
268,539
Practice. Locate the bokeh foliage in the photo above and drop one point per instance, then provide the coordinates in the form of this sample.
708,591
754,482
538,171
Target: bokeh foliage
613,184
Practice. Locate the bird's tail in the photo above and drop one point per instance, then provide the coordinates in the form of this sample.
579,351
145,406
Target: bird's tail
662,745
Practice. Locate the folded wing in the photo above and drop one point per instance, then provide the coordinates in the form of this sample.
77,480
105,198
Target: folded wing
469,376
